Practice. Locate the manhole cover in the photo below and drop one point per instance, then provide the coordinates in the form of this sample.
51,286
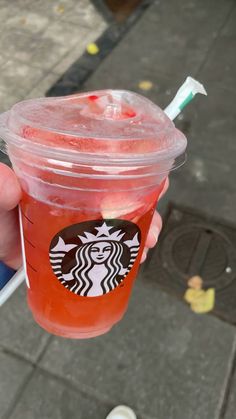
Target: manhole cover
192,244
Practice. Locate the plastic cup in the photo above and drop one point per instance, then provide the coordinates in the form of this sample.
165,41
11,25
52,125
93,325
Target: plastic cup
91,167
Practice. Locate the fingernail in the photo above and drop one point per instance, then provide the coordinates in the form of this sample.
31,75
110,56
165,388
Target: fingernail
155,233
144,255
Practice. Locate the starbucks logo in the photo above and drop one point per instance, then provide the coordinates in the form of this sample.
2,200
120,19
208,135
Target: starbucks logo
92,258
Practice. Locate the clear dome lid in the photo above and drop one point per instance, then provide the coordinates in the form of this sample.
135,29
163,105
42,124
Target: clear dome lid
106,124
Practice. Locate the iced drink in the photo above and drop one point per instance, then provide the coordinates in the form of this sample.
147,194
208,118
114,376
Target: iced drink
91,167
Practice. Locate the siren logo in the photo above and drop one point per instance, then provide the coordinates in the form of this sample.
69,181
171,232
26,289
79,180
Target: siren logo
92,258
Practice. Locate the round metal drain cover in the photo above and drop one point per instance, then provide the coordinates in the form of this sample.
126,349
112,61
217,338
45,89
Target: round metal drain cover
197,249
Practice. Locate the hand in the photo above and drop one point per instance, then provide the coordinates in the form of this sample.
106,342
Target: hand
155,227
10,194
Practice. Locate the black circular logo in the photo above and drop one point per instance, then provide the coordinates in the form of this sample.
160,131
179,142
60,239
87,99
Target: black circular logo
92,258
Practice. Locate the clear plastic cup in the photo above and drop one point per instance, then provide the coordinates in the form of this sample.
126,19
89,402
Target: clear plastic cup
91,167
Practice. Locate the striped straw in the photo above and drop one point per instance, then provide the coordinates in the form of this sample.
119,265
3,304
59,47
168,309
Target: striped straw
11,286
184,95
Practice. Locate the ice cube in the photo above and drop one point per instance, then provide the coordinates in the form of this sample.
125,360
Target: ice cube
117,205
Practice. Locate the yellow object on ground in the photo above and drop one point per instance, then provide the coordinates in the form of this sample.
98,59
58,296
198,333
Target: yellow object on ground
200,301
92,48
145,85
60,9
195,282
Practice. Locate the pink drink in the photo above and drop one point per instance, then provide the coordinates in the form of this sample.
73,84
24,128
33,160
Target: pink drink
92,167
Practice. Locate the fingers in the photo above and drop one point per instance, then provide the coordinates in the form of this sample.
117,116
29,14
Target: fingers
10,194
10,191
154,230
153,234
165,187
10,248
155,227
156,224
144,255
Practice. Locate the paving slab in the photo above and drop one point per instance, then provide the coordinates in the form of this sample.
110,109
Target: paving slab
46,50
2,60
161,41
83,11
13,373
59,9
7,100
65,63
19,333
41,88
37,36
205,182
230,408
47,398
163,360
7,11
220,66
30,22
53,9
18,44
18,78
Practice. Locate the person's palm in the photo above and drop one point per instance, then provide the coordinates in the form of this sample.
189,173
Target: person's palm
10,194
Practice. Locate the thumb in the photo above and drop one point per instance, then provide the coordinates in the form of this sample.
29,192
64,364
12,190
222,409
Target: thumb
10,190
10,194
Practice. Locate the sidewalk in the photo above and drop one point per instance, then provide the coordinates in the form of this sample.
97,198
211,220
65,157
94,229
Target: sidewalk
163,360
39,40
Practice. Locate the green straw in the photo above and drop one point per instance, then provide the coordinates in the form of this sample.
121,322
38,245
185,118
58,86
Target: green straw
184,95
